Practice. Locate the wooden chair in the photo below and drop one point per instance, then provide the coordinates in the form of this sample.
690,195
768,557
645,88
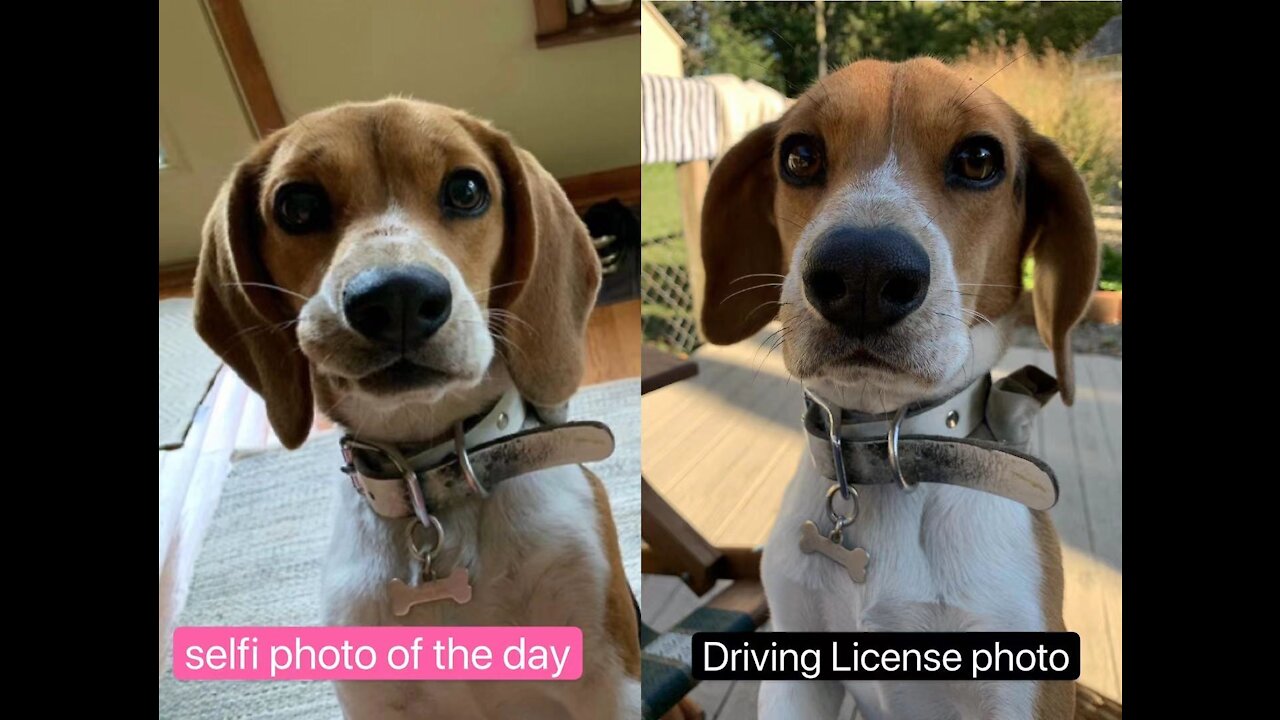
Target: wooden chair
674,547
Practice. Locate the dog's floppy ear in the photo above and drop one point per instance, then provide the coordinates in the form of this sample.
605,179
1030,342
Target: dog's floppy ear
238,316
740,244
547,279
1065,248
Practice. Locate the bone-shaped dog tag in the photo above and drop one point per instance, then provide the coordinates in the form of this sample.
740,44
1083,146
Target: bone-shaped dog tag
455,587
855,560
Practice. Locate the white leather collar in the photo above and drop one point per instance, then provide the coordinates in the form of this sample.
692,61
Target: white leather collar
970,439
956,416
506,418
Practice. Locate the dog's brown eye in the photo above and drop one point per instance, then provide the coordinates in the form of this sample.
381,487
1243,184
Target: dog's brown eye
976,163
802,161
302,208
465,193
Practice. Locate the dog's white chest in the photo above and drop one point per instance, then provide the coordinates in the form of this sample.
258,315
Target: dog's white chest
942,559
535,558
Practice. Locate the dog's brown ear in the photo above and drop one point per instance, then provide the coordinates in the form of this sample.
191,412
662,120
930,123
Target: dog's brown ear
239,316
741,251
547,279
1065,248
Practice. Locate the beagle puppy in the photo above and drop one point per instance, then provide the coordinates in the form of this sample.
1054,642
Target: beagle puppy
407,269
884,219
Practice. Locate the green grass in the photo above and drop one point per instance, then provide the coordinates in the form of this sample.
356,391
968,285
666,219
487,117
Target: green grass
660,213
1111,276
672,252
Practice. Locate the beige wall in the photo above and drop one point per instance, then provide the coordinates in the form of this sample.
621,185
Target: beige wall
203,128
576,107
660,46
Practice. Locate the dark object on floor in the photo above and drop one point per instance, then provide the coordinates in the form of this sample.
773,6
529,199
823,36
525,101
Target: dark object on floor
615,230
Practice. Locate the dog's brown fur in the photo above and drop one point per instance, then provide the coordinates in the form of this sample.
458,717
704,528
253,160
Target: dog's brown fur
751,221
532,249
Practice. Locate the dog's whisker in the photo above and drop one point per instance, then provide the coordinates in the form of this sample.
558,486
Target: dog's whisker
268,286
763,304
776,345
507,315
953,317
754,287
793,222
265,327
752,275
984,82
766,340
979,316
490,289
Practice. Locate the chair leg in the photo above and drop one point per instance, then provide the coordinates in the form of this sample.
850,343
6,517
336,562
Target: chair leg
672,539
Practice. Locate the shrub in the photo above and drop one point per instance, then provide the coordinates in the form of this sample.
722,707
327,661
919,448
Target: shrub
1078,105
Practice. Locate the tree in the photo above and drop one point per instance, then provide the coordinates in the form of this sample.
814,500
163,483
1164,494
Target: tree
779,43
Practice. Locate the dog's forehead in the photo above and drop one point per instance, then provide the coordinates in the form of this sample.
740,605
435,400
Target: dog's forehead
868,105
359,136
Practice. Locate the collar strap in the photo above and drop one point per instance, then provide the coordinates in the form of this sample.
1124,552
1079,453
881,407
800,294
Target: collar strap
920,444
955,416
507,416
492,463
503,443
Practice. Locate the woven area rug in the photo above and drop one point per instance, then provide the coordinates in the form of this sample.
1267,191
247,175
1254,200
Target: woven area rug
262,557
187,369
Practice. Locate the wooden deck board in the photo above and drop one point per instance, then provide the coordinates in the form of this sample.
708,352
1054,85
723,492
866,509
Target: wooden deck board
722,446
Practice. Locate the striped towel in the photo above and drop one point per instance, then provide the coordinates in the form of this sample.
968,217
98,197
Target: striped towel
680,119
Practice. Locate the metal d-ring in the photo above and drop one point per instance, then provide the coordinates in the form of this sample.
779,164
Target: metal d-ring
424,555
839,520
464,463
895,429
417,499
837,450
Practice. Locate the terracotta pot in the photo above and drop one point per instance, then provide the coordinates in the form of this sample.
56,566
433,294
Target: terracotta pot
1105,307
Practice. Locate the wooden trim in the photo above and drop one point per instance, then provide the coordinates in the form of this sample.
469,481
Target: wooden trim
176,279
591,25
656,16
586,190
550,16
247,69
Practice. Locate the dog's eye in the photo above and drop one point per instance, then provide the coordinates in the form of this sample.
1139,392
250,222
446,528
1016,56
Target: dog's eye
465,193
302,208
801,160
977,162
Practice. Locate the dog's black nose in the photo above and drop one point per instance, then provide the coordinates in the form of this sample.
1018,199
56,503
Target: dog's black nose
397,306
866,279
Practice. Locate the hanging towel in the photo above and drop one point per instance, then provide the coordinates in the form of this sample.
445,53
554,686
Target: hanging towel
744,106
680,119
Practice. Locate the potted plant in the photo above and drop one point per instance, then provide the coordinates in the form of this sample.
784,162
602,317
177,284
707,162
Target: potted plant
1105,307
